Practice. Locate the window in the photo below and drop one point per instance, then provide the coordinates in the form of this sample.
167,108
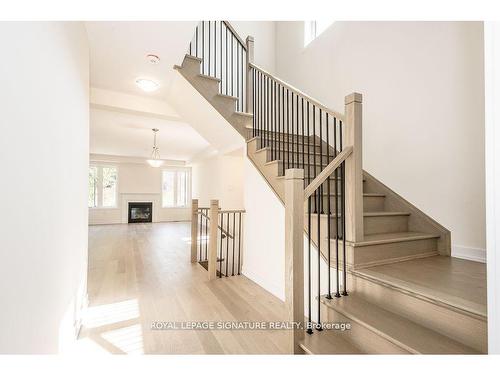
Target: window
313,29
102,186
176,187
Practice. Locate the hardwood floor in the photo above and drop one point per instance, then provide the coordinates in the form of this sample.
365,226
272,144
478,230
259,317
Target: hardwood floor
141,273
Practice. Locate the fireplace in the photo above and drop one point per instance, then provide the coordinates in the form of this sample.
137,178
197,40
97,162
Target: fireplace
140,212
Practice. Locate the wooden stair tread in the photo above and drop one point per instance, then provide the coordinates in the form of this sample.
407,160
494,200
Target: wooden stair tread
328,342
381,238
457,284
209,77
372,214
400,331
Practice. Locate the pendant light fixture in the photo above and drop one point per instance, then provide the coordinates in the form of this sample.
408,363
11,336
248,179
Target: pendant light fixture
155,160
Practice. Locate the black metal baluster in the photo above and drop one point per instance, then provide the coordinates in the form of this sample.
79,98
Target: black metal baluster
215,48
234,237
221,75
209,41
203,47
197,30
227,242
201,237
308,150
337,211
303,135
328,197
309,267
283,127
314,155
298,131
227,67
342,178
293,134
206,233
239,243
318,327
221,214
287,131
238,75
232,63
253,102
320,157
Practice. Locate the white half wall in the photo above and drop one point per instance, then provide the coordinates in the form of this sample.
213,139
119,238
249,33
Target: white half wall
264,243
137,182
423,110
45,144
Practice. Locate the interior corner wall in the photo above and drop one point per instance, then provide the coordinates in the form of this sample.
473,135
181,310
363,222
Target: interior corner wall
44,148
219,177
423,109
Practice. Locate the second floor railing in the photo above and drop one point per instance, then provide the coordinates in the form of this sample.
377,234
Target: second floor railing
217,247
224,56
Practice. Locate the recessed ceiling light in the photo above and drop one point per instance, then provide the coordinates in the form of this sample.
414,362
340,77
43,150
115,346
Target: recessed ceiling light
147,85
153,59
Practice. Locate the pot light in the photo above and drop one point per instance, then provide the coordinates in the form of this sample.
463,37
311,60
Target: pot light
147,85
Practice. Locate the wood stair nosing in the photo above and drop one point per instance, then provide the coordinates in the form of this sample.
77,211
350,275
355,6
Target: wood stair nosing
394,328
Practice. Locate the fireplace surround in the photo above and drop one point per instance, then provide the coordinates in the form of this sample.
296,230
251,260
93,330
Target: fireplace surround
140,212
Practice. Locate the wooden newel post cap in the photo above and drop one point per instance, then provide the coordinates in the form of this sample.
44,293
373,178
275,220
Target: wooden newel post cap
249,39
354,97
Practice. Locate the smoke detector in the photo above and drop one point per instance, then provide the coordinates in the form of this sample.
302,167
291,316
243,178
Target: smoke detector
153,59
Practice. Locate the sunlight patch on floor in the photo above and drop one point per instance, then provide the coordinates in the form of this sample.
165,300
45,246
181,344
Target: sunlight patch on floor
101,315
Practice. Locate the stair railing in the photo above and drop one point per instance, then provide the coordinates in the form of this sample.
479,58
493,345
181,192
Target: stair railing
320,155
218,247
224,56
344,221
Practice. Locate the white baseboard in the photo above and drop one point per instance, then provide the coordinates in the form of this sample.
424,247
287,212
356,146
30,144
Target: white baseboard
469,253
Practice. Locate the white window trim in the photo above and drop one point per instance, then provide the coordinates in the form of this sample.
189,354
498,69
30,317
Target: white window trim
188,190
99,186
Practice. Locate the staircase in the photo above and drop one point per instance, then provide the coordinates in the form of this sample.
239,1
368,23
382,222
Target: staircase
401,290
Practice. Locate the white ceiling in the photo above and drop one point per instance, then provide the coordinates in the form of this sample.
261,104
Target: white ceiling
121,125
125,134
118,53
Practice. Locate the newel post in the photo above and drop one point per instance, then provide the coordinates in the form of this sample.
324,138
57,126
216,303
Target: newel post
354,167
212,239
194,229
294,256
250,59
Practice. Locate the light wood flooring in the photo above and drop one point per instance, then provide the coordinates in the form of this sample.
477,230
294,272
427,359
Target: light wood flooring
141,273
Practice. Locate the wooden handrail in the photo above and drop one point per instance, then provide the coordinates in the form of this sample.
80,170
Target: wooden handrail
233,31
218,226
325,173
337,115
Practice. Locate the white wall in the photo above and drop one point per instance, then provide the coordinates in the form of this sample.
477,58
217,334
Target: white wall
219,176
43,230
264,34
264,242
492,91
423,124
137,178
